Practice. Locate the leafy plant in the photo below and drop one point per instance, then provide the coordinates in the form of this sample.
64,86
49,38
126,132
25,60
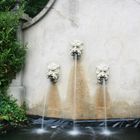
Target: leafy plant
6,5
12,53
12,57
10,111
9,5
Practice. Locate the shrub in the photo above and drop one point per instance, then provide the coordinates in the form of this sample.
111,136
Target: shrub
10,111
12,57
7,5
12,53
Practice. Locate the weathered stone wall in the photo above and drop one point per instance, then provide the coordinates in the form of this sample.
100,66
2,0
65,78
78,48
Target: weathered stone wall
110,31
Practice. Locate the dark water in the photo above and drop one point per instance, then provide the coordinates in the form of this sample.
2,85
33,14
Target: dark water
84,133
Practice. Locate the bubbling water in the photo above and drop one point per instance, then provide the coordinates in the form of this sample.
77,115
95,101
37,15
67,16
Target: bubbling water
106,132
74,132
40,131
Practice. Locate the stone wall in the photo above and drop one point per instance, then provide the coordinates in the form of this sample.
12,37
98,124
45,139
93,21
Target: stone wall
110,31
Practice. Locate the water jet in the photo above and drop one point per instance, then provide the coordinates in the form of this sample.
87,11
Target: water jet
77,101
102,72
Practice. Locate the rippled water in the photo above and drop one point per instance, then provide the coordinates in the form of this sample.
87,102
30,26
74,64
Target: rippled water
84,133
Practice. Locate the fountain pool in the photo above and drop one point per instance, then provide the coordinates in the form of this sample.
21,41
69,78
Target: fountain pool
59,129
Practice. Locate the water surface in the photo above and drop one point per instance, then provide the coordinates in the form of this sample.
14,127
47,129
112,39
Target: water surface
81,133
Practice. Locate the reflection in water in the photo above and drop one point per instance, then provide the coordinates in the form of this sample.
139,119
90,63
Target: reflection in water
80,133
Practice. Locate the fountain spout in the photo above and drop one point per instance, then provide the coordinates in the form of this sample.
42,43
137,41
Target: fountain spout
53,72
76,49
102,72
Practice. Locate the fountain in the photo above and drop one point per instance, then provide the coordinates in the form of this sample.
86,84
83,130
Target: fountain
102,72
75,51
60,129
53,102
84,105
53,75
53,72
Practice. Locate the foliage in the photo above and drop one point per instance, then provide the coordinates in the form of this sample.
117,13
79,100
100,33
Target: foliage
8,5
12,57
10,111
33,7
12,54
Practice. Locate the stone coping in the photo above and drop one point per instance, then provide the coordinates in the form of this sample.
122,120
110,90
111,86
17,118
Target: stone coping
115,123
31,21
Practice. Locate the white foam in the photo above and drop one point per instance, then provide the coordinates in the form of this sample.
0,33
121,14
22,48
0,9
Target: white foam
106,132
74,132
53,126
40,131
